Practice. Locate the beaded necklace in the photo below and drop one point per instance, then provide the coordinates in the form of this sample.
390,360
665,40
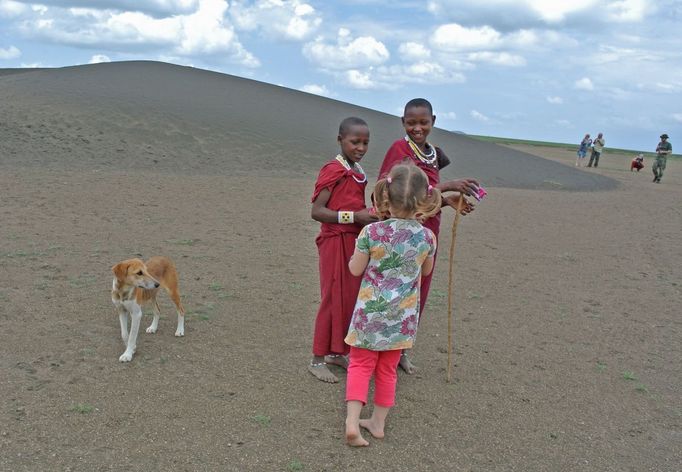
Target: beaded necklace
347,166
428,159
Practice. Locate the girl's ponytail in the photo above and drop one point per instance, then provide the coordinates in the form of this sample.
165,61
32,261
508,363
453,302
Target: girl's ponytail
406,192
429,204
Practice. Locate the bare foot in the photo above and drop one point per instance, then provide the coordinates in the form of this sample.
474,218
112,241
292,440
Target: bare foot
375,430
407,365
322,372
354,437
337,359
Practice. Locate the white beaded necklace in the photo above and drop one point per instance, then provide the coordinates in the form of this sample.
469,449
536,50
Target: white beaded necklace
429,159
347,166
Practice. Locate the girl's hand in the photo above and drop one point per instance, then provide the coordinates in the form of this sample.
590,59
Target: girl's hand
454,202
364,217
464,186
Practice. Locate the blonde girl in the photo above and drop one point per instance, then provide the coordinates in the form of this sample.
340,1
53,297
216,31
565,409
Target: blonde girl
392,256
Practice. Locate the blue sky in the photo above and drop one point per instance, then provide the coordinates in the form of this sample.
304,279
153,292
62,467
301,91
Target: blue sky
528,69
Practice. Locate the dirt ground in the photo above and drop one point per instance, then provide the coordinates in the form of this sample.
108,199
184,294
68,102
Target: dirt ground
566,342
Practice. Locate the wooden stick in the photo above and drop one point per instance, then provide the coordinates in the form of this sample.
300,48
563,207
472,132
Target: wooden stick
458,212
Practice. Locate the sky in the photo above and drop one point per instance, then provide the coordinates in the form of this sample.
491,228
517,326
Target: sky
549,70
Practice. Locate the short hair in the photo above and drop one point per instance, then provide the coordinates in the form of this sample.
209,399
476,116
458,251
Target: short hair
417,103
346,124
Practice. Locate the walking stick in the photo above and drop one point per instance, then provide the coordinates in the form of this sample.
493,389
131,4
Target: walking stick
458,212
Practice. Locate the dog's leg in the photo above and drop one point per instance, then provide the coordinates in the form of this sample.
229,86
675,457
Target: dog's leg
123,318
135,316
175,296
155,322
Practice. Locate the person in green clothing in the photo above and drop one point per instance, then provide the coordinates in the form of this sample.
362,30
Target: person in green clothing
597,148
663,150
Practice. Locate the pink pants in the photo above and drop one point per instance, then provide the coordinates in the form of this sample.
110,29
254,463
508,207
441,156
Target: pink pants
364,363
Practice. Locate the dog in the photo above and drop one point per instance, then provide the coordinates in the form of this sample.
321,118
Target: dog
136,283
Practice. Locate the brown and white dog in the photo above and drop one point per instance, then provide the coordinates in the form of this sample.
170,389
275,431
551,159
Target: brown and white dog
137,282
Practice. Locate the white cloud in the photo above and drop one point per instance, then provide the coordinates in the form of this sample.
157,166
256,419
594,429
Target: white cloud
11,52
361,80
316,89
413,52
9,8
555,100
629,10
497,58
288,19
454,37
484,44
519,11
347,53
394,76
478,116
97,58
204,31
554,11
447,115
677,117
584,84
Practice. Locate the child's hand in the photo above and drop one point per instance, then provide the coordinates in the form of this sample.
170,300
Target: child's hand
454,202
365,217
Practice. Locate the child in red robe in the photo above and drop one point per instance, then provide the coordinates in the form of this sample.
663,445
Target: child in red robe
418,120
339,204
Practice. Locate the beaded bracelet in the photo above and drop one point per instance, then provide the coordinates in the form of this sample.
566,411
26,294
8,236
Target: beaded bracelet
346,217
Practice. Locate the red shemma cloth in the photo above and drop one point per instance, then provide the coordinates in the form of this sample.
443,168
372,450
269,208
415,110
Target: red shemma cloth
335,244
398,153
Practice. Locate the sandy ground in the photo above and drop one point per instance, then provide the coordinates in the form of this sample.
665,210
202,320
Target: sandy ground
567,327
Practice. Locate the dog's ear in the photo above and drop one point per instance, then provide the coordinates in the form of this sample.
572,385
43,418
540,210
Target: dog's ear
120,270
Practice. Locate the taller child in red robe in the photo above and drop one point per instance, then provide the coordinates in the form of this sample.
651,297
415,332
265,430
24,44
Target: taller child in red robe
339,204
418,120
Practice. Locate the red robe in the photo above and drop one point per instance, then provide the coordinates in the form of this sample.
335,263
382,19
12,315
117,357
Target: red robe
336,244
398,153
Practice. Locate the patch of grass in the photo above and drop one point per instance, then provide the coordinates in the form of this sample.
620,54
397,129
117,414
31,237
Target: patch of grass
627,375
434,292
3,297
568,257
641,388
601,366
182,242
88,351
215,286
295,465
41,285
82,408
22,253
203,312
474,296
570,147
262,420
83,280
163,360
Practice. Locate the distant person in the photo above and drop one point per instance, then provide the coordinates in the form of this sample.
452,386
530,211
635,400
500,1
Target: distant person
418,120
582,150
663,150
637,162
339,204
597,148
394,255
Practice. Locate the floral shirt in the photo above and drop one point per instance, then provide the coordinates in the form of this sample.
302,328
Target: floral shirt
387,311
